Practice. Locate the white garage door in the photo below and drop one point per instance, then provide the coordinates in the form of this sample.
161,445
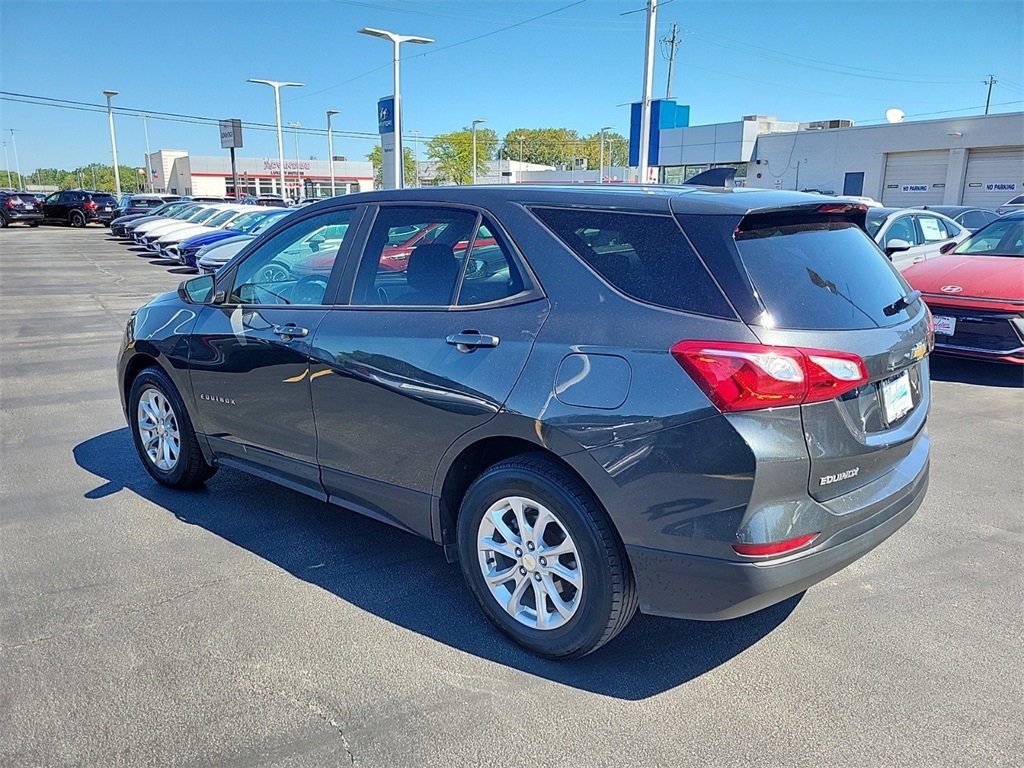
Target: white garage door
915,178
993,176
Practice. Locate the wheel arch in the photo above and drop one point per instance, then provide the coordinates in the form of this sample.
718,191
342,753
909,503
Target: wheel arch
482,448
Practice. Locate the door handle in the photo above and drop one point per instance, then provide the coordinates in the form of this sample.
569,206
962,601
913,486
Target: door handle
290,331
469,340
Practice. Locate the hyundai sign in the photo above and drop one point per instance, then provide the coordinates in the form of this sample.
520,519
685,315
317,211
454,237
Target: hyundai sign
386,115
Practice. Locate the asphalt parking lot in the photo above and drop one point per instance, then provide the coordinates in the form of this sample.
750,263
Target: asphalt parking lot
246,624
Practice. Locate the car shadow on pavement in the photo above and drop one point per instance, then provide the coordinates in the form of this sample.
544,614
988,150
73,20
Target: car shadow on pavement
980,372
406,580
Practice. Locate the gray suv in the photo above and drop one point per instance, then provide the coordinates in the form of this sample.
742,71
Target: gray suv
699,403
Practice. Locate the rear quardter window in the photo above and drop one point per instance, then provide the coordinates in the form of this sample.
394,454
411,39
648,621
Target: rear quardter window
645,256
818,275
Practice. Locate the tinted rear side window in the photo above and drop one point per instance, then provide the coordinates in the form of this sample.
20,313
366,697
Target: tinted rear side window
645,256
824,275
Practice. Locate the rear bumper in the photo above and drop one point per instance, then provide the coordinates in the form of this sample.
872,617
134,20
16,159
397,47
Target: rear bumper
711,589
13,215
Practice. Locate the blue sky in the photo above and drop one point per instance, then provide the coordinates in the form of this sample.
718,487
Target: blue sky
493,60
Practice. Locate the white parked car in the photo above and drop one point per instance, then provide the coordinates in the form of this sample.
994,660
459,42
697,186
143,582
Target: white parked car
213,257
909,235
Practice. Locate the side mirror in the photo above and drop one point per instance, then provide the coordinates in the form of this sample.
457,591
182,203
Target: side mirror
199,290
896,246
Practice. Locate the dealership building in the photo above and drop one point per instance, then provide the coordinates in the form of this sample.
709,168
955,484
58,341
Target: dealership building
964,160
177,172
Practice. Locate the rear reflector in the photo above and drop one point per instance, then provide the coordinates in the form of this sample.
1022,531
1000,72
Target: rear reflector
738,376
775,548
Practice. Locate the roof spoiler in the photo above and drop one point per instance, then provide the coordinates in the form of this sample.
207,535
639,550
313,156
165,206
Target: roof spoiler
715,177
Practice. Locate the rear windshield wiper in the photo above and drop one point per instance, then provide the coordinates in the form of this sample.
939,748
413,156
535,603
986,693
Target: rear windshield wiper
902,303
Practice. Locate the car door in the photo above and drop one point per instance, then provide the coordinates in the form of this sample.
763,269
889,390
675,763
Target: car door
53,206
249,358
411,359
902,228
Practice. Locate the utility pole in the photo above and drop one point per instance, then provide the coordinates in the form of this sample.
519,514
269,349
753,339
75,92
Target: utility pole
988,99
669,46
645,106
7,162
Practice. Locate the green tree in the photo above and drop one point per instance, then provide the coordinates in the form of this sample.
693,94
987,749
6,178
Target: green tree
376,156
453,153
560,146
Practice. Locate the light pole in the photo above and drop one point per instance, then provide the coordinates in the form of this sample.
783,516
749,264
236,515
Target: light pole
17,162
277,86
330,147
475,124
149,168
113,143
7,163
645,105
298,174
600,174
397,40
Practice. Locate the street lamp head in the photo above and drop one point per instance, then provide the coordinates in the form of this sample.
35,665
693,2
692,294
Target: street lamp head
273,83
108,94
607,127
394,37
477,122
331,112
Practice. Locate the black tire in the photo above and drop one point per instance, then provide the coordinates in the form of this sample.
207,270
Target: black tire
608,598
34,224
190,469
3,221
76,219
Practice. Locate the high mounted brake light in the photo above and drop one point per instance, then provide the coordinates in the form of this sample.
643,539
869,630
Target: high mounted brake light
739,376
841,207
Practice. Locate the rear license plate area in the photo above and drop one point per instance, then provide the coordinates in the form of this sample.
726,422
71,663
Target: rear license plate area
897,400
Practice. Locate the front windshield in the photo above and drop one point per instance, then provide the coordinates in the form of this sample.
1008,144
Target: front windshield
222,218
268,222
246,221
204,216
1003,237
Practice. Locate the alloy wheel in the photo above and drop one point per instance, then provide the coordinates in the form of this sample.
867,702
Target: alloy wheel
530,563
158,429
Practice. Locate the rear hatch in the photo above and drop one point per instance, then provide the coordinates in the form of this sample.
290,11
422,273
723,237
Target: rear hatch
23,204
809,277
105,204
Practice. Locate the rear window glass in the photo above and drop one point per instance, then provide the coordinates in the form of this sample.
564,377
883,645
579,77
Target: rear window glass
146,202
821,275
104,199
645,256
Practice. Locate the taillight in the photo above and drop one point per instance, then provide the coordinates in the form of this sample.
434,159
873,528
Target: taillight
91,206
776,547
738,376
10,202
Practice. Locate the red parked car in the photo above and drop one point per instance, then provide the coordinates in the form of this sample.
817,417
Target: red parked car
976,293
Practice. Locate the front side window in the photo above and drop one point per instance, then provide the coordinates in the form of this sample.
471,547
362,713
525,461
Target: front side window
294,266
902,229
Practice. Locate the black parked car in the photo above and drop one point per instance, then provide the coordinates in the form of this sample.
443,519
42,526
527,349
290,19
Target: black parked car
699,403
969,217
129,205
20,207
78,207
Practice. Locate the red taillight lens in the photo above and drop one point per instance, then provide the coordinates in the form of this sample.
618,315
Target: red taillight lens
776,547
10,202
744,377
91,206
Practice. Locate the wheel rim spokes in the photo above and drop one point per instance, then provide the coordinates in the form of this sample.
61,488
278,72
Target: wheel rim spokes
158,430
530,563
